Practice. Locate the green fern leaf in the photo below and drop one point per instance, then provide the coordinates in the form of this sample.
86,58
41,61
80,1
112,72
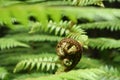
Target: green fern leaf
32,64
110,25
34,37
65,28
43,64
111,73
7,43
104,43
3,73
48,67
38,65
27,65
19,66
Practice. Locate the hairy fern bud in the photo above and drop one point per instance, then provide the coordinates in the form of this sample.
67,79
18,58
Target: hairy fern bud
69,52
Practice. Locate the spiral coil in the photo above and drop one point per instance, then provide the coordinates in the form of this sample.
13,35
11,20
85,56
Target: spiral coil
69,52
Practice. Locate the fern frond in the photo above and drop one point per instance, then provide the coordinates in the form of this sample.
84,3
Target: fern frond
7,43
34,37
16,56
3,73
110,25
81,74
104,43
66,28
111,73
43,64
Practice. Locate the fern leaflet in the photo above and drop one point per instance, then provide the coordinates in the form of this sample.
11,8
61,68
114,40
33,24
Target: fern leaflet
71,31
7,43
34,37
111,73
104,43
43,64
110,25
3,73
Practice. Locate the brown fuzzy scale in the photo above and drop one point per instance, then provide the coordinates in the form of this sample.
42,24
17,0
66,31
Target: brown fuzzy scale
71,50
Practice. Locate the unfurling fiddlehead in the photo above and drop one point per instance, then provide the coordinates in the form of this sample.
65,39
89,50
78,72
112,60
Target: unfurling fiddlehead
69,52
